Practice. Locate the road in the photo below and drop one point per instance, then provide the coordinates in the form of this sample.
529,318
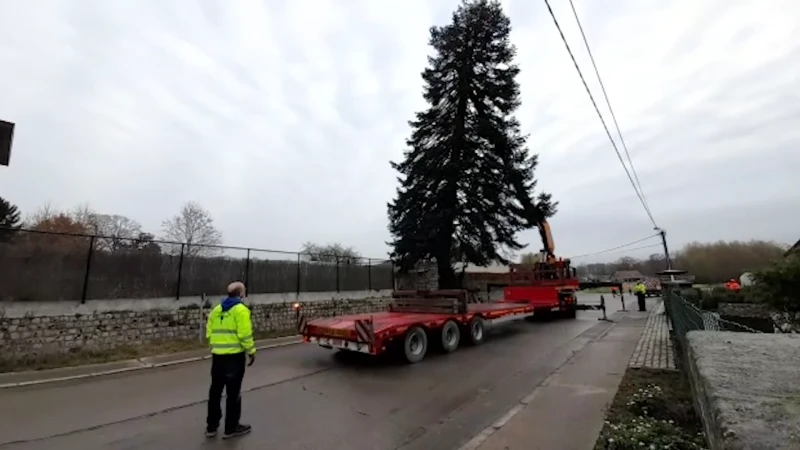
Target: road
303,397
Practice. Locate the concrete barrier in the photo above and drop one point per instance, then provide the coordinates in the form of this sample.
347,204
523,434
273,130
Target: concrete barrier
64,308
746,389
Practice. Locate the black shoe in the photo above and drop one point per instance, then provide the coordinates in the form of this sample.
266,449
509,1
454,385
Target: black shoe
240,430
211,433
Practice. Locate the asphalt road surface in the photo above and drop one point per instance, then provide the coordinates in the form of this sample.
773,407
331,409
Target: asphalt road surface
303,397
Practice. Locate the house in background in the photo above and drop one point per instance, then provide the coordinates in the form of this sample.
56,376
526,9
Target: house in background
471,268
627,276
793,250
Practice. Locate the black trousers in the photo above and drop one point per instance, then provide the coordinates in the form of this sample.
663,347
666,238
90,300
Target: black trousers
640,299
227,373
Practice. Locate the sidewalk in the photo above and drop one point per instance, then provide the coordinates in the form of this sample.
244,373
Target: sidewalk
654,350
19,379
567,410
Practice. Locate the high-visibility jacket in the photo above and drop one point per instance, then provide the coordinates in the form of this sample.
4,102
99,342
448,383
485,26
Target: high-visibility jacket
732,286
640,288
229,329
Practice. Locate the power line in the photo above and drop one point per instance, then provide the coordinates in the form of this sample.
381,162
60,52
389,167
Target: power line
623,250
594,103
610,109
636,248
609,250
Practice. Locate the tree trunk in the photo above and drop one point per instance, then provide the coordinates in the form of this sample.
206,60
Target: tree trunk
447,276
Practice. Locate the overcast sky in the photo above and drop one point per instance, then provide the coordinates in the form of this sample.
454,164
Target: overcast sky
281,117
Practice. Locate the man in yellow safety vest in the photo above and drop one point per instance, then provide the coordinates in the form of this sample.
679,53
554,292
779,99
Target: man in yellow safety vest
230,334
641,291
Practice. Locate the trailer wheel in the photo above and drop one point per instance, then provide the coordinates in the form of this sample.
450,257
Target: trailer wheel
415,344
451,336
476,330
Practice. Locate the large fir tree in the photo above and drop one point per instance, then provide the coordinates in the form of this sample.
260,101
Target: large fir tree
9,220
466,184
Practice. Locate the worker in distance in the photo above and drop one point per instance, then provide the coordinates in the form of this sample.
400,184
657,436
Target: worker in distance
229,332
641,291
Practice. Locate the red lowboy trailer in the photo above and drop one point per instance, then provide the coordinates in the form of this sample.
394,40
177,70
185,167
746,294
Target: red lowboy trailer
417,319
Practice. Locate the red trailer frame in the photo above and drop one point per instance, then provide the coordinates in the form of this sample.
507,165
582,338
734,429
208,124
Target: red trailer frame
445,316
374,333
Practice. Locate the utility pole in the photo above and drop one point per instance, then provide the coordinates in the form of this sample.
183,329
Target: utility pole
663,234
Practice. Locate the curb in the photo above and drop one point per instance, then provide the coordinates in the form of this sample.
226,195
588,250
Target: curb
142,366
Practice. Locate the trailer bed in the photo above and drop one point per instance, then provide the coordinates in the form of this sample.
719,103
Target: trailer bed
371,333
387,320
444,318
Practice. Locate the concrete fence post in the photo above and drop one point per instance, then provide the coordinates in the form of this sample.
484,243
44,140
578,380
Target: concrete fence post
297,288
180,274
338,282
369,274
202,326
88,270
247,273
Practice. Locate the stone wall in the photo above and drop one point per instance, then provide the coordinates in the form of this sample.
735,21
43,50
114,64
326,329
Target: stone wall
745,388
31,336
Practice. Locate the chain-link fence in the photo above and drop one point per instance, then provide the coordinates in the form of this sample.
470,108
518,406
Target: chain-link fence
685,316
39,265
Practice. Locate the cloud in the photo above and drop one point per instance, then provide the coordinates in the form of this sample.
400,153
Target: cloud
281,117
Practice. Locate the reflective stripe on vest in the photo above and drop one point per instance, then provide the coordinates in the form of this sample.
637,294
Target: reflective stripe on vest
223,331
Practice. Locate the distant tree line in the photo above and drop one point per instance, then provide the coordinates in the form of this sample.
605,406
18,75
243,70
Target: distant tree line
713,262
192,226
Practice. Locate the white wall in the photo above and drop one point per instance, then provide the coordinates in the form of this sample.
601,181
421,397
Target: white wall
62,308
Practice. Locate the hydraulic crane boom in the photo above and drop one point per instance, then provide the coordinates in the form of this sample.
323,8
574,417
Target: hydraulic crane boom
548,251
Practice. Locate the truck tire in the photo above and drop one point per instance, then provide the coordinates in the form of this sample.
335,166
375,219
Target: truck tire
569,313
476,330
415,344
451,336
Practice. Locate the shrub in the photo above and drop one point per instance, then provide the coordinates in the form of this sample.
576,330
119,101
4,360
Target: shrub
646,400
649,433
777,285
710,300
653,417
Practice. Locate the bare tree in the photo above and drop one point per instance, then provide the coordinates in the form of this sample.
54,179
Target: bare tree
86,216
142,243
44,213
117,231
330,253
194,227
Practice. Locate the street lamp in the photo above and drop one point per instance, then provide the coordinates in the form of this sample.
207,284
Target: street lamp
6,136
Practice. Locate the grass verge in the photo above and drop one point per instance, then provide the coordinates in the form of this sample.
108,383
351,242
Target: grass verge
653,409
79,357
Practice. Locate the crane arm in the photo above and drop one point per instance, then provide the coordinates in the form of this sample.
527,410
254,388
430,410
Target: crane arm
547,240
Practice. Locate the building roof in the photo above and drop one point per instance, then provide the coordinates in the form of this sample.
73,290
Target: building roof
621,275
492,268
793,249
